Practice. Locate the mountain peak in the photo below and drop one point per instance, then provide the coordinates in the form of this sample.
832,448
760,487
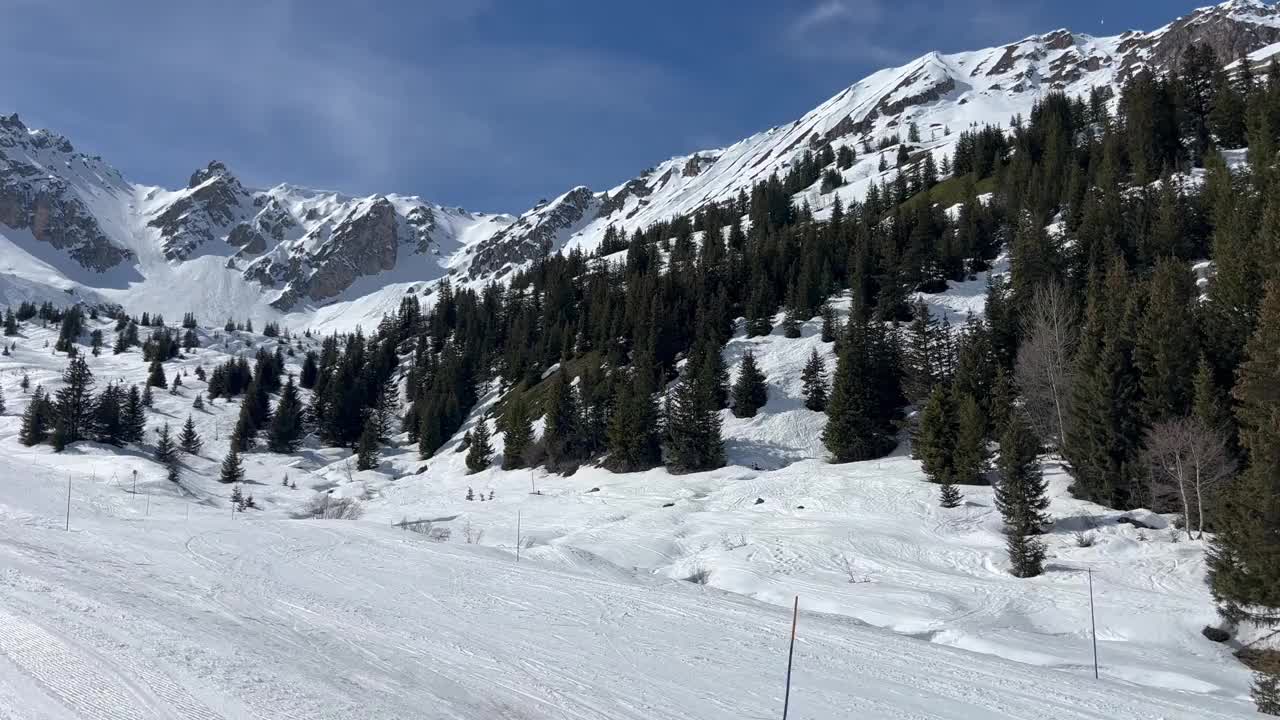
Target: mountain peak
214,169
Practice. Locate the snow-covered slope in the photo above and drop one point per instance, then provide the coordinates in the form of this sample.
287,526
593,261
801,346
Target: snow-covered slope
218,248
942,94
158,604
71,222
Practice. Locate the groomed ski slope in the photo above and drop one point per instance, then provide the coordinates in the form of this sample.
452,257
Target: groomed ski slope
131,615
159,605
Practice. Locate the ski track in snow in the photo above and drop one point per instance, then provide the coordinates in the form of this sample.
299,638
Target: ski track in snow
142,612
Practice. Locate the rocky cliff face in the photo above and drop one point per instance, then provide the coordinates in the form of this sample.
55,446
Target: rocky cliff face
33,198
328,259
303,247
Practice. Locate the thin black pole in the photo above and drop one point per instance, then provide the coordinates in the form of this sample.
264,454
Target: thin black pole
1093,623
517,536
786,699
67,527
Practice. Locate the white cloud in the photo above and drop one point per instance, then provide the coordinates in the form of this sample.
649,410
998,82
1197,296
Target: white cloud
868,31
291,86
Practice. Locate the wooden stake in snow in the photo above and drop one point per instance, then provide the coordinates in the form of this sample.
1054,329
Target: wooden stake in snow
67,527
786,698
1094,626
517,536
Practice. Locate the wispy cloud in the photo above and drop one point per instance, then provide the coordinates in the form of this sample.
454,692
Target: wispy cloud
290,94
873,31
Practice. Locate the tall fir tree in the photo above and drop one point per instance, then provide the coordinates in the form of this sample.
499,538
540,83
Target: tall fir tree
36,420
1104,435
189,440
517,428
166,452
1244,558
750,392
284,434
856,412
367,449
1020,498
155,375
134,416
480,454
74,404
561,436
934,441
693,425
232,471
969,458
813,381
634,442
1167,347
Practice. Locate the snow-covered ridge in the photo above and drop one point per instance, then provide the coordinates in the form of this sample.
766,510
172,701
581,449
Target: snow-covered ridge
316,256
943,94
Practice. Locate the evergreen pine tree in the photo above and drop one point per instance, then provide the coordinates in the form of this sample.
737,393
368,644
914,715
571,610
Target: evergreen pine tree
517,429
310,370
36,419
949,496
1166,349
284,434
198,402
133,418
969,459
146,396
232,470
367,450
693,425
155,375
791,322
74,405
1244,558
934,442
633,440
165,452
561,436
828,323
750,392
480,454
814,382
189,440
1104,434
2,406
237,498
1020,498
855,414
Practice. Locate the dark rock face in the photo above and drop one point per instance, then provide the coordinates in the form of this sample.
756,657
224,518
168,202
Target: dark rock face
1223,28
422,221
365,242
534,234
31,199
216,201
636,187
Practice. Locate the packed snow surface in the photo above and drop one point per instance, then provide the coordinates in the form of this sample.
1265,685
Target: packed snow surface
641,596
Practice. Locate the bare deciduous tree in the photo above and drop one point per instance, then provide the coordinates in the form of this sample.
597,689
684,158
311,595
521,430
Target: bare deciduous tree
1050,329
1189,458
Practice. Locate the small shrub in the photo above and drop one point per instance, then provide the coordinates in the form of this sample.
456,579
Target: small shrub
700,576
1084,539
327,507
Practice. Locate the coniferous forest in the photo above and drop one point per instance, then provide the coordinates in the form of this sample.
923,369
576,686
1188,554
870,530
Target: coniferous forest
1135,334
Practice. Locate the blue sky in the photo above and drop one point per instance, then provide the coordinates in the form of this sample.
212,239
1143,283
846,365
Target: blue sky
486,104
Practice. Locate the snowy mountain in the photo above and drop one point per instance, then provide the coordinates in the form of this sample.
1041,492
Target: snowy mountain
73,222
75,227
941,94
